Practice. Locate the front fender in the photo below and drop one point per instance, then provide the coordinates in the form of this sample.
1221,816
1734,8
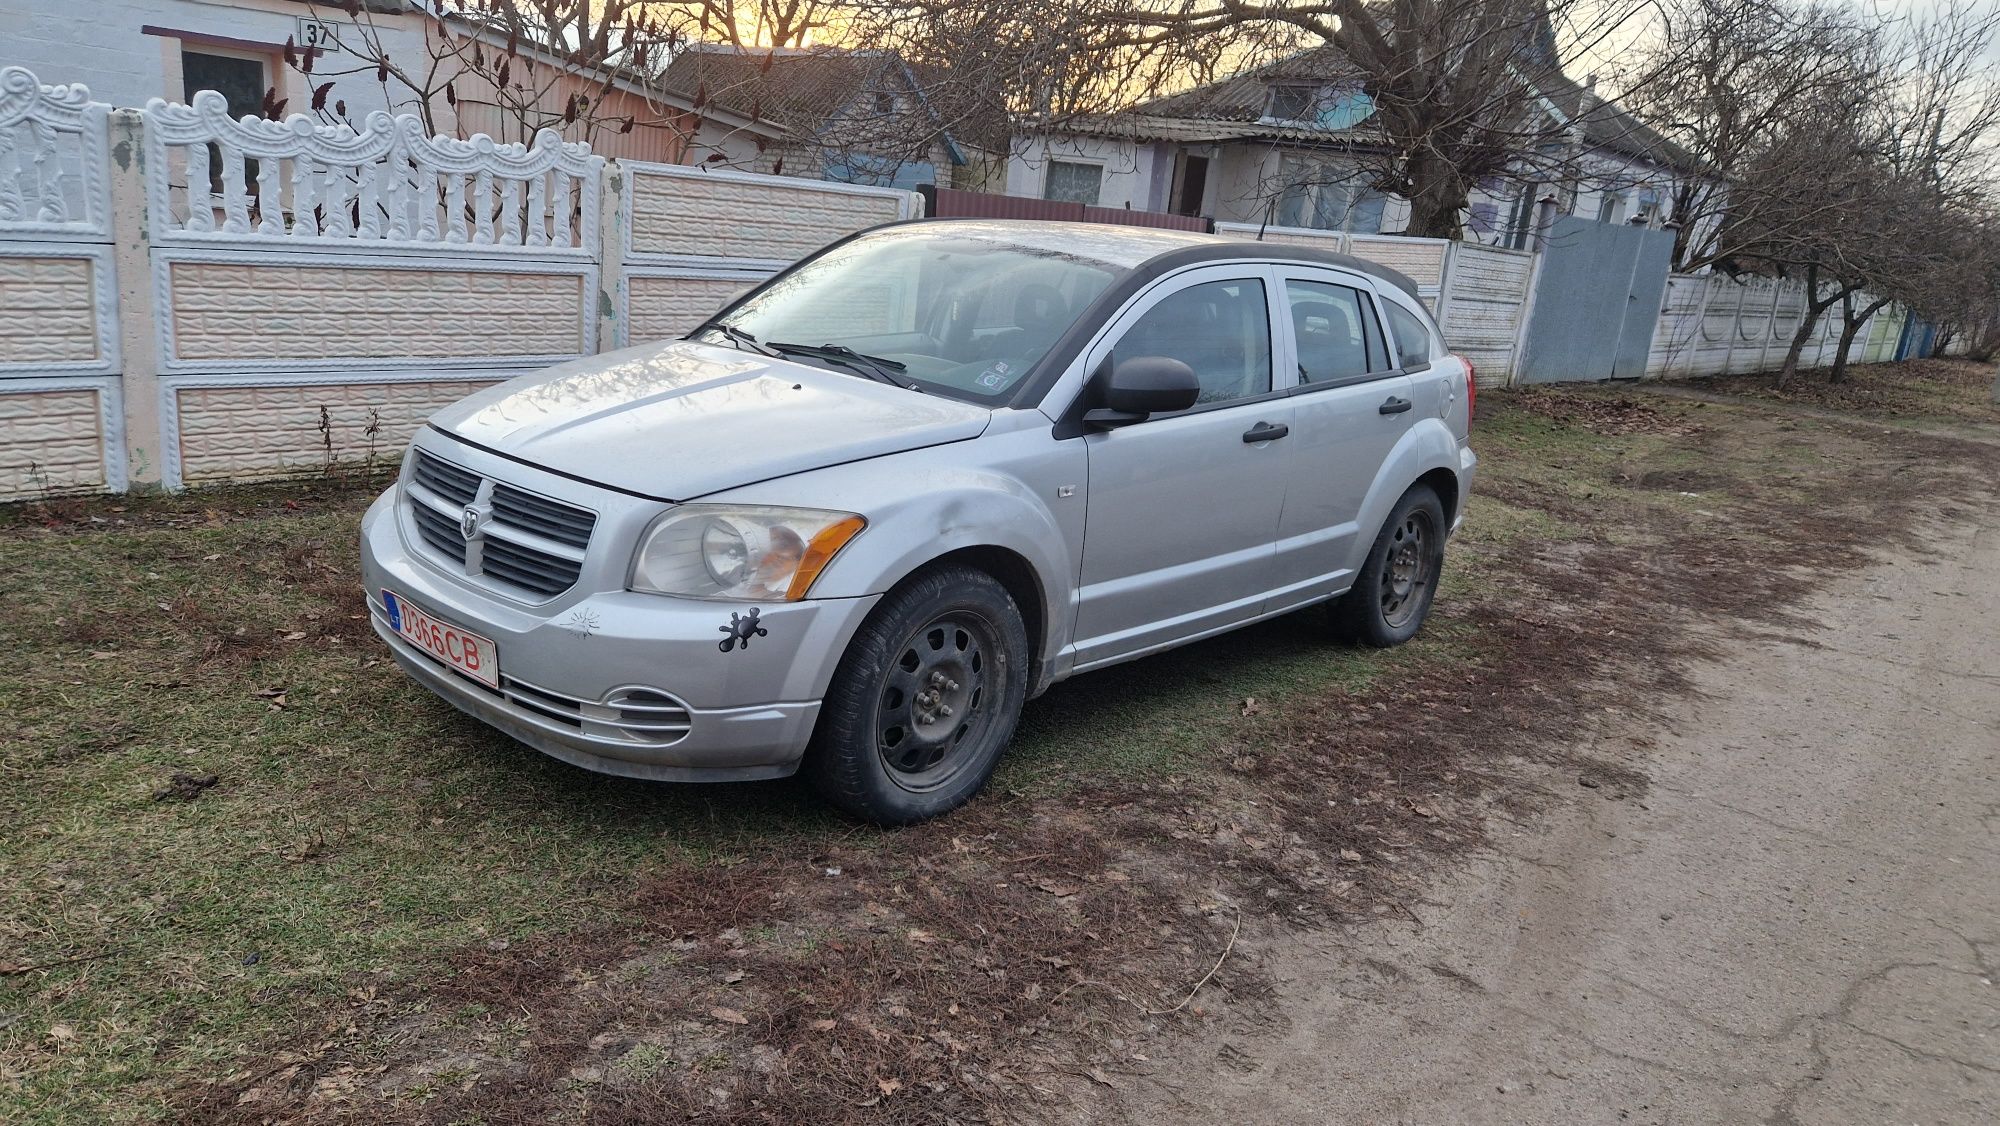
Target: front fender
1428,445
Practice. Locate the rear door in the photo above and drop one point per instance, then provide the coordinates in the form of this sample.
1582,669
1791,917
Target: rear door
1183,507
1353,403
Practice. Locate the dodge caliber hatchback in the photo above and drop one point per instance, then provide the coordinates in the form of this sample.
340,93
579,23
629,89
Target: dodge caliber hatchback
854,521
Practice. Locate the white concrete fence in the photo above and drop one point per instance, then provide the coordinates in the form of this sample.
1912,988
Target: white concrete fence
185,297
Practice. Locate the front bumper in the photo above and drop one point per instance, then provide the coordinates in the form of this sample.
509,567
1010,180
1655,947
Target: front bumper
565,665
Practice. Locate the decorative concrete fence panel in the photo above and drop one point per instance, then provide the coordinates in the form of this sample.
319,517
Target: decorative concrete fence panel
1712,324
318,290
1483,307
694,238
59,346
1422,260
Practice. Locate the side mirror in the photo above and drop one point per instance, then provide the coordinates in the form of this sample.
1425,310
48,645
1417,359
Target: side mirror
1130,390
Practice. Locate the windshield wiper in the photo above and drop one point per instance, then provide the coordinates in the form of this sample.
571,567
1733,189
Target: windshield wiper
874,367
740,337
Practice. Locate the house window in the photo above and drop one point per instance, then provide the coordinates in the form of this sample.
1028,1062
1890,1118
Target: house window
240,79
1073,181
1293,103
1611,207
885,103
243,81
1327,197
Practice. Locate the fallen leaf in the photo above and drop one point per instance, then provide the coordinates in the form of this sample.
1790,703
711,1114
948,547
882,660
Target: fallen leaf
103,654
296,635
889,1086
61,1032
1251,706
1059,890
925,937
824,1025
1351,856
1097,1076
728,1016
732,977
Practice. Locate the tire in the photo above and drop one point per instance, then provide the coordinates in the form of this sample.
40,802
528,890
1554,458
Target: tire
1392,595
924,700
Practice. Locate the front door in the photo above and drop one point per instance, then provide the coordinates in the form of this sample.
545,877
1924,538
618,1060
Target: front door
1183,508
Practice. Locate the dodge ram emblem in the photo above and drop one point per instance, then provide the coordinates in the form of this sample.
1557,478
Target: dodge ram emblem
468,522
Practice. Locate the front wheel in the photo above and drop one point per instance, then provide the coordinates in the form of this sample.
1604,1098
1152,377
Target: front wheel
1392,594
924,700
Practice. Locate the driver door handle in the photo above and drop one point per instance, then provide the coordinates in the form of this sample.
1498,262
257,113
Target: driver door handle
1266,431
1393,406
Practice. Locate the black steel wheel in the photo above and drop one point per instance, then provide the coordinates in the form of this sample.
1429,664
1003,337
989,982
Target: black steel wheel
1411,569
933,700
924,700
1392,594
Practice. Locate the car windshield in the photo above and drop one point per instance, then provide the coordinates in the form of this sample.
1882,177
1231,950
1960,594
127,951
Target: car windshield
968,316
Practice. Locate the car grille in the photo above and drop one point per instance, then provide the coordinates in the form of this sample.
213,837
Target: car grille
521,540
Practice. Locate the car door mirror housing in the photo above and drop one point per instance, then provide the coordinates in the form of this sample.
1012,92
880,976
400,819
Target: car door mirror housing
1131,390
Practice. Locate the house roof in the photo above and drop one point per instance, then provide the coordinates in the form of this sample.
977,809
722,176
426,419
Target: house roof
1607,126
1243,97
810,92
1234,108
624,78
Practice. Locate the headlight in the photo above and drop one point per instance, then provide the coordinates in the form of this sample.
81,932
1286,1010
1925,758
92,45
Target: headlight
748,554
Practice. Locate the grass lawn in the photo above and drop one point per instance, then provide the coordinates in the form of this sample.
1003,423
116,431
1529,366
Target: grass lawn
227,815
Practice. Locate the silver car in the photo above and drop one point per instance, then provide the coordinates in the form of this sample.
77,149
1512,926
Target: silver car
856,520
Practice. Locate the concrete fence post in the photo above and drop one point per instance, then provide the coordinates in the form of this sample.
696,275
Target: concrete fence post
138,337
611,295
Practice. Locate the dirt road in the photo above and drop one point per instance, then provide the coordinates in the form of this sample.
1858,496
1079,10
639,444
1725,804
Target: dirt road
1798,924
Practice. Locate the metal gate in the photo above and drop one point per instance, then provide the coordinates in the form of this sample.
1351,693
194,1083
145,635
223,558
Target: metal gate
1596,302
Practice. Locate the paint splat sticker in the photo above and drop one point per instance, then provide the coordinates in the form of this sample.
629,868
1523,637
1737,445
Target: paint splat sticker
996,376
741,628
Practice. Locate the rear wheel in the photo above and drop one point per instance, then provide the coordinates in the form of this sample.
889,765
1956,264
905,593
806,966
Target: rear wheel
1392,594
924,700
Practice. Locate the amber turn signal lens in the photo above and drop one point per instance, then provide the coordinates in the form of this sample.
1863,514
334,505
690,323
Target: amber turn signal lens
820,552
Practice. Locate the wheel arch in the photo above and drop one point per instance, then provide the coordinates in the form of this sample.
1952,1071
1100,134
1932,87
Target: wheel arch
1444,483
1017,574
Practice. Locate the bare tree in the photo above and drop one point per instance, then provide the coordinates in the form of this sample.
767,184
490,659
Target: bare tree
1732,82
584,67
1848,145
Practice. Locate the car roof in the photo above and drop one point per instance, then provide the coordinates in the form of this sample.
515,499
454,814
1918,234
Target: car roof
1152,250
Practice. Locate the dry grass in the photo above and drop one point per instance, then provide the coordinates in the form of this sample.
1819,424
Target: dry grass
734,955
1918,391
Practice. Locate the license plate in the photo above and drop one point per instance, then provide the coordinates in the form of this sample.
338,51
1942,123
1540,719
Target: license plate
469,653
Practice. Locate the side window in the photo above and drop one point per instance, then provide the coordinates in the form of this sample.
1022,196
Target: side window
1221,329
1413,336
1334,326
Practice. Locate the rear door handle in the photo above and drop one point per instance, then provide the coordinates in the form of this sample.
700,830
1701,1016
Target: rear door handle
1394,406
1266,431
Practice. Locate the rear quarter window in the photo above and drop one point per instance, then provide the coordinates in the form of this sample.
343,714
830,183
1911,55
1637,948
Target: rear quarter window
1412,339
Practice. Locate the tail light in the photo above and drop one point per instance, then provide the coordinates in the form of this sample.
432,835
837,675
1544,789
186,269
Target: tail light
1471,384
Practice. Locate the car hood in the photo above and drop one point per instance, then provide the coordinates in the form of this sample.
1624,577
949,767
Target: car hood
682,420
